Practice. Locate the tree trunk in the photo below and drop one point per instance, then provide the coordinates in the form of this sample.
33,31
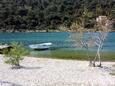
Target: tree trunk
98,53
99,58
16,66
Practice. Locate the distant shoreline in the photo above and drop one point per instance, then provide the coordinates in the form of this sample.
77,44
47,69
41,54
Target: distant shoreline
46,31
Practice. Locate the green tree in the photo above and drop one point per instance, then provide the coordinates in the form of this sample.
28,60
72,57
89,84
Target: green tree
15,55
24,15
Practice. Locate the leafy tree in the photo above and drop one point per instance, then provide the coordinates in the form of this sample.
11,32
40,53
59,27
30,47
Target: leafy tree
15,55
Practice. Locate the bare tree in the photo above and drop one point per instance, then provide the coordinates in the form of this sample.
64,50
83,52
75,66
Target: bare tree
103,25
103,29
96,39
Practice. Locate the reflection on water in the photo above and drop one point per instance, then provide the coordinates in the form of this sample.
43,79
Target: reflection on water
40,53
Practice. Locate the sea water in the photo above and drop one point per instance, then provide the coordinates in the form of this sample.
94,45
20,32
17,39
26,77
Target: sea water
60,40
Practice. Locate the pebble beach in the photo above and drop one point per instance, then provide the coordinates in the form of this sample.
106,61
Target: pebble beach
55,72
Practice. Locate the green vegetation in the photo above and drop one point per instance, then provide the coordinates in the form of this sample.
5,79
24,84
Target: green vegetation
35,15
15,55
74,54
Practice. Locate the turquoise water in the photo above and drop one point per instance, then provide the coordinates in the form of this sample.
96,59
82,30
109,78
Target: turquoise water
60,40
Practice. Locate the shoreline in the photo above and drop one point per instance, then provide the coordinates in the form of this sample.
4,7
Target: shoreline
29,31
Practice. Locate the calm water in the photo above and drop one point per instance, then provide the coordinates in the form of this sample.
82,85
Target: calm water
59,39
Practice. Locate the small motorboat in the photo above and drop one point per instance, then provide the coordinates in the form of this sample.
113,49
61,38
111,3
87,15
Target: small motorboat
42,46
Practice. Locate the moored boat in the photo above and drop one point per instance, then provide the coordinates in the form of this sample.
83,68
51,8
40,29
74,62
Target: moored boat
42,46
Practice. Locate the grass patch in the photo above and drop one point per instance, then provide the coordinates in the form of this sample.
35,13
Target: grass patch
69,55
108,56
73,54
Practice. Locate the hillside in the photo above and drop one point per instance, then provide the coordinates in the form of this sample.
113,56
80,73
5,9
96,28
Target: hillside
45,15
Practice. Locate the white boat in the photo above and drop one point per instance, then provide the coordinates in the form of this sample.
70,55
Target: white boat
42,46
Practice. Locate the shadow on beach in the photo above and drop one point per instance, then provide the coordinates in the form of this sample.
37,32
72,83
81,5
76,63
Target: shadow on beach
27,68
2,83
31,68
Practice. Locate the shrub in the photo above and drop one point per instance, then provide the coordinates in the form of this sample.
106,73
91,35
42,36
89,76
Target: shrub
15,55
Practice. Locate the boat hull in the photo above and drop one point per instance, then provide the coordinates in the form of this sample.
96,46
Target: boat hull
43,46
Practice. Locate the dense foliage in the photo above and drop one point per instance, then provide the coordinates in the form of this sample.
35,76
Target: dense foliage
25,15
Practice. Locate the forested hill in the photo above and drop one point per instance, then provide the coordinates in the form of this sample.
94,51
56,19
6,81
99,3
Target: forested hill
34,15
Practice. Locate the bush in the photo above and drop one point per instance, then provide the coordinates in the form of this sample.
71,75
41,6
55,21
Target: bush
15,55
